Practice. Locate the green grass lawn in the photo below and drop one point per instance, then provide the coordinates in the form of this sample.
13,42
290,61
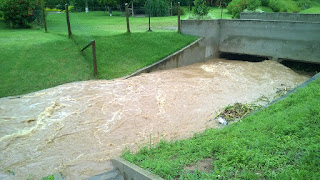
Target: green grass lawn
32,60
312,10
214,13
279,142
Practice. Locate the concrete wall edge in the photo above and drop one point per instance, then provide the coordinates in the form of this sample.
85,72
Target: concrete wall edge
148,68
132,171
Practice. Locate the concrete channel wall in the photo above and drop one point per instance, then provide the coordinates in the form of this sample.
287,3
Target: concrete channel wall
209,30
298,41
282,16
193,53
133,172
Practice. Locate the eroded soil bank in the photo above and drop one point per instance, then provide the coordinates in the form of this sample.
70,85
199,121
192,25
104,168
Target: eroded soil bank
77,127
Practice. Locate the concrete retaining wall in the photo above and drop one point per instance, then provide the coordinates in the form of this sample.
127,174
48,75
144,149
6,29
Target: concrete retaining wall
275,39
133,172
193,53
282,16
208,29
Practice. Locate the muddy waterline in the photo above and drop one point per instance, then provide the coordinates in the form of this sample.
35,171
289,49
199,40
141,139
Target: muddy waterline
76,128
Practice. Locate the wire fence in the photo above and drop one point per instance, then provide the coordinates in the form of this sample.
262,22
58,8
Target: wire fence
94,23
97,20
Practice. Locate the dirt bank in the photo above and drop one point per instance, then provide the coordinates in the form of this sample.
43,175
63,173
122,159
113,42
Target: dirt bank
76,128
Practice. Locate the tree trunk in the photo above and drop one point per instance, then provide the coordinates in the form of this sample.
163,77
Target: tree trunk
190,5
87,9
171,8
132,9
110,10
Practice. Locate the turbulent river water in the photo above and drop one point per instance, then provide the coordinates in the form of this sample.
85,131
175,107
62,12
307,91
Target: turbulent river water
76,128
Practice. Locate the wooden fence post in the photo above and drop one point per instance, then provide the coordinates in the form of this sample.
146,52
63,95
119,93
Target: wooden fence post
149,15
221,5
179,31
68,21
95,69
127,15
44,18
94,57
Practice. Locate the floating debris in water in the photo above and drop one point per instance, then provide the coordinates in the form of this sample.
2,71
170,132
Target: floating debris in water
235,112
222,121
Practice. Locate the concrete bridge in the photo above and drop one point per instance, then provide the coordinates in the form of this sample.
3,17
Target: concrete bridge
280,39
275,39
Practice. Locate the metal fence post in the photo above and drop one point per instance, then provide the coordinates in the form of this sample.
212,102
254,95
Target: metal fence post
179,30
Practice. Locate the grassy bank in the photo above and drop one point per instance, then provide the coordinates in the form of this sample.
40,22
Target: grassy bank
280,142
312,10
32,60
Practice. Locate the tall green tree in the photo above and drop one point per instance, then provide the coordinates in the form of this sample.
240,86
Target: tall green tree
109,4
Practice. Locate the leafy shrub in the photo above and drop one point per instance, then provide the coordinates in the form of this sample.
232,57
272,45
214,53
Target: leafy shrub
284,6
1,8
238,6
253,4
56,3
304,4
20,13
60,6
264,2
158,8
175,11
94,5
1,15
200,8
71,8
235,7
53,10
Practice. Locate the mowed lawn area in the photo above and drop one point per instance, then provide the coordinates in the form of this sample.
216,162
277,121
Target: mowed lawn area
32,60
312,10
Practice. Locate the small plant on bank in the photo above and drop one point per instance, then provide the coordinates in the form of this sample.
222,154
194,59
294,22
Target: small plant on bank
20,13
51,177
200,8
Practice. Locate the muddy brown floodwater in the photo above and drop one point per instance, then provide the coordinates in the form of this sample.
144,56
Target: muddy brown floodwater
76,128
